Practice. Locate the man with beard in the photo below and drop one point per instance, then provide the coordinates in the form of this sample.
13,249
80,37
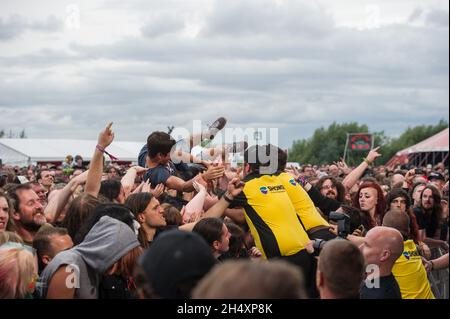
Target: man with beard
28,213
330,187
433,225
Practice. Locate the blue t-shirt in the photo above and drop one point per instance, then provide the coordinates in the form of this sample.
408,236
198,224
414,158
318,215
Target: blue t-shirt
160,173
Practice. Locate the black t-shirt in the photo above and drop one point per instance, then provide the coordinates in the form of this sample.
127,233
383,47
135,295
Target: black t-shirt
431,225
114,287
160,230
420,216
325,204
388,289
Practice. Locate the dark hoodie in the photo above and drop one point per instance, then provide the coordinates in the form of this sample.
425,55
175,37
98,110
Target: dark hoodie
107,242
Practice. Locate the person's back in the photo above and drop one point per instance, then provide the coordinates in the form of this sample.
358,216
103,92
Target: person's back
408,268
271,216
411,274
304,206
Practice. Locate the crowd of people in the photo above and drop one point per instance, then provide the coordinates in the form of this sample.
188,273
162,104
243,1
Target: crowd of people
185,223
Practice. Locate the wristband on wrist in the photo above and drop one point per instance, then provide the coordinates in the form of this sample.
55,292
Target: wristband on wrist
302,181
228,199
367,161
101,149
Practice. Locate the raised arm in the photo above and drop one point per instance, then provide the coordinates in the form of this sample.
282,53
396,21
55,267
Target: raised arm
352,178
57,203
325,204
178,184
196,204
129,178
94,178
235,187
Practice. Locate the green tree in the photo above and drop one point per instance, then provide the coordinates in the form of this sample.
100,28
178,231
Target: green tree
22,134
2,133
328,145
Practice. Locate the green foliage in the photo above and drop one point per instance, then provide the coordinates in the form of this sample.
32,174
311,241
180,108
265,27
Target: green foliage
327,145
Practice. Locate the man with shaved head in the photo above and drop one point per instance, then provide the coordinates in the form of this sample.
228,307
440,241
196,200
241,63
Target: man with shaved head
340,270
381,248
408,270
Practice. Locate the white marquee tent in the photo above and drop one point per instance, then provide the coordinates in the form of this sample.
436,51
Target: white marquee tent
23,152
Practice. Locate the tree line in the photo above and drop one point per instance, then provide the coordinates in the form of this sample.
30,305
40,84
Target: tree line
327,144
12,134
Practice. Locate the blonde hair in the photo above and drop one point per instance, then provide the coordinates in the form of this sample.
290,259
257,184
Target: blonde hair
17,272
9,236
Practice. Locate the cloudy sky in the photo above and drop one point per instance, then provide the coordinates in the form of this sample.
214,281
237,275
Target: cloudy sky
68,67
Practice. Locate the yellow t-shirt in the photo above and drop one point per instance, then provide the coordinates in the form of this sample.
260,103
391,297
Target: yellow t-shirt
271,216
411,274
303,204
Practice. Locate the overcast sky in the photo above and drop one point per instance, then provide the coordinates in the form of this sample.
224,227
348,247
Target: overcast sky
69,67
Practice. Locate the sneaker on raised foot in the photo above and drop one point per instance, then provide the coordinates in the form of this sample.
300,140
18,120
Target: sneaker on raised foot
215,127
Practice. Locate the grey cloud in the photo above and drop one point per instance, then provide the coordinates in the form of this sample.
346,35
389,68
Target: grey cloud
162,24
255,17
416,14
52,24
12,27
42,58
15,25
438,18
257,74
256,64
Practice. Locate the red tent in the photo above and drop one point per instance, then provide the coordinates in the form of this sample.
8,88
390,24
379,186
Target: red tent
433,150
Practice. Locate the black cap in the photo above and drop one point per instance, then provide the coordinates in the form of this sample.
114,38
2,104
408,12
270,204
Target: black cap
176,258
436,175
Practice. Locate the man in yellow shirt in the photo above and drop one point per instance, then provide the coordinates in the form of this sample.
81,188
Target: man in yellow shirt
313,223
270,214
408,269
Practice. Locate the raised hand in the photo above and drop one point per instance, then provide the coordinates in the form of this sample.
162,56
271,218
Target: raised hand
198,186
235,187
343,166
139,188
158,190
373,154
106,137
213,172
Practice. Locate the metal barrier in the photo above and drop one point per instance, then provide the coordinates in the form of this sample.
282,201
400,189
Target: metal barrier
439,279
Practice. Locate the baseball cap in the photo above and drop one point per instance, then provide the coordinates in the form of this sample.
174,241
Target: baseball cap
174,261
436,175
